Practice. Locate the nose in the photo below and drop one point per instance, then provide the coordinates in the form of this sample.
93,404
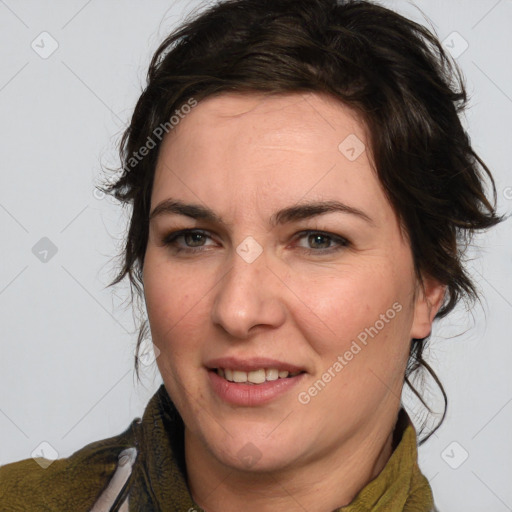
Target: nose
248,296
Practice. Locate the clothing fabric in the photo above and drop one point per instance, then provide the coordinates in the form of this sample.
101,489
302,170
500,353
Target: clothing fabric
143,469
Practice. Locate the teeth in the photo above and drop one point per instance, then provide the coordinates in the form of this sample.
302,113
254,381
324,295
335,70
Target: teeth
256,376
272,374
239,376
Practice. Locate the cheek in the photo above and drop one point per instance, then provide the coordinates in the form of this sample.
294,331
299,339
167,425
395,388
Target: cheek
359,331
177,305
341,306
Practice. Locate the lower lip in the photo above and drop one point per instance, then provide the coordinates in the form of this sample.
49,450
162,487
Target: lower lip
251,395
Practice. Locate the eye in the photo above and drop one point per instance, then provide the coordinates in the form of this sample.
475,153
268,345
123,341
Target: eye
321,242
193,239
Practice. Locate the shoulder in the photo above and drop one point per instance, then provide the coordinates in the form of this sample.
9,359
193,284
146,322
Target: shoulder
72,483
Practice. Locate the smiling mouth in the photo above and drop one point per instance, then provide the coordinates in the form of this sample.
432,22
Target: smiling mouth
256,376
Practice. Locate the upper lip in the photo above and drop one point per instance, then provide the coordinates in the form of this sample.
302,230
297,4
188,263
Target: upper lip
251,364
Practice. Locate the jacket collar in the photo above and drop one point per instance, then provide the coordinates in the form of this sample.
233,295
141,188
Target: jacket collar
160,475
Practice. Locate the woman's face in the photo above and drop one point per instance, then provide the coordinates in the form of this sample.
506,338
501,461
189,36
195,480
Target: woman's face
295,263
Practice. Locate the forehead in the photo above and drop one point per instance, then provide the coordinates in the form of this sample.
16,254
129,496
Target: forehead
286,147
273,120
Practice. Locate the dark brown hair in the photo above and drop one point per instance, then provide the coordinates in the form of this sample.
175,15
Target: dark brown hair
392,71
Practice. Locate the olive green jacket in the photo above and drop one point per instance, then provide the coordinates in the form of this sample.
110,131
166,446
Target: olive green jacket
143,469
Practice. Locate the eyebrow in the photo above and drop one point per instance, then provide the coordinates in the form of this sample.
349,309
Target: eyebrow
290,214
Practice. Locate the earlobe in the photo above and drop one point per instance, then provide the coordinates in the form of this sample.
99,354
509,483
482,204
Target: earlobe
430,296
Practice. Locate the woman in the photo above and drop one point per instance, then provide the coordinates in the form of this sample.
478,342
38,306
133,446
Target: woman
301,188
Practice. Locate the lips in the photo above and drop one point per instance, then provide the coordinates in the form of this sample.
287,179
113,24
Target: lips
252,364
252,381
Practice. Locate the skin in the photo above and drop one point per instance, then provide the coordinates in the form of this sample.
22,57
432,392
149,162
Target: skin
245,157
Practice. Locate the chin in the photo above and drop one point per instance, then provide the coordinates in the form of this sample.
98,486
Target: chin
254,450
256,458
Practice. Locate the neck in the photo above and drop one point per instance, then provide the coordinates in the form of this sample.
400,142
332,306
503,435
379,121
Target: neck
320,485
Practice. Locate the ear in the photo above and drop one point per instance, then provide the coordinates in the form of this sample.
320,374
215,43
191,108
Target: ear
429,298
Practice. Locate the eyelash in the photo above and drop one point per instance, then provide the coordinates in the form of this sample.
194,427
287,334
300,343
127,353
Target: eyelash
170,241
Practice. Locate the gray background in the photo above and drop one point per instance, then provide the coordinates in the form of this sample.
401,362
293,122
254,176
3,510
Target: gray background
66,363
